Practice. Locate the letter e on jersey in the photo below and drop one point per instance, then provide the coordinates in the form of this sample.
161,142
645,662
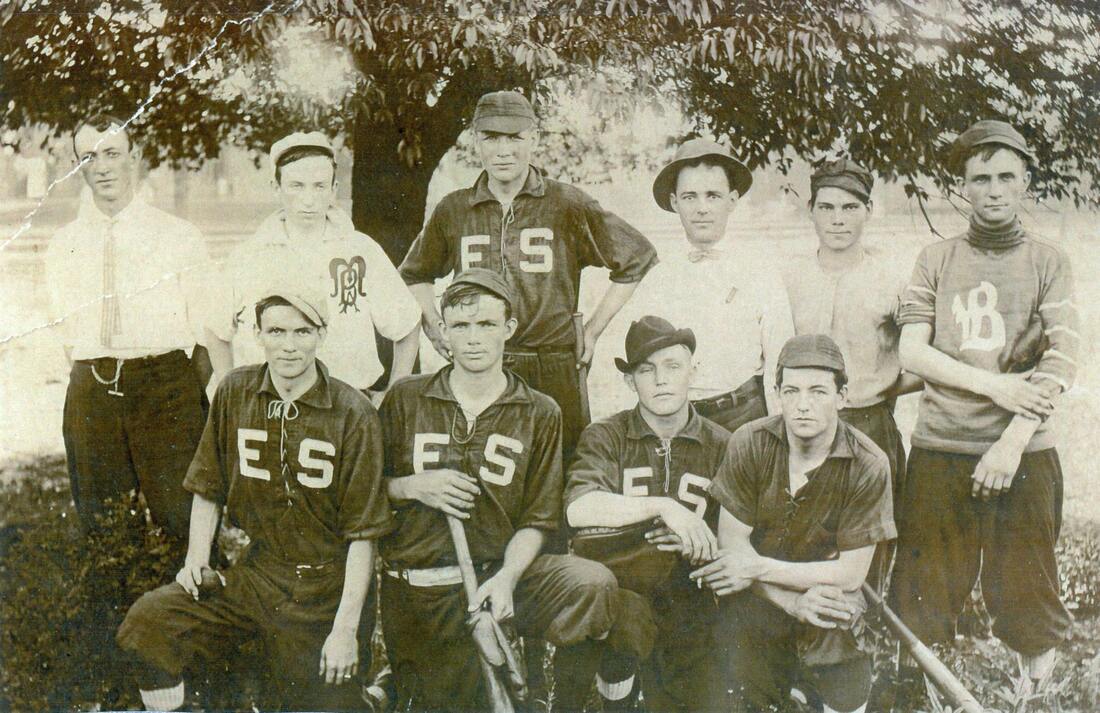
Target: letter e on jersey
246,453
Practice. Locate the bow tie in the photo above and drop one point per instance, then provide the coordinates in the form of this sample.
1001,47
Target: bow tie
700,254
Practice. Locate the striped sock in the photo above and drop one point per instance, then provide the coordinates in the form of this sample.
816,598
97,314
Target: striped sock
614,691
163,699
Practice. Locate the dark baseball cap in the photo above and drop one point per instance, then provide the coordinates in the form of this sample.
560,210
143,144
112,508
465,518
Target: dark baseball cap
990,132
665,183
485,279
648,335
504,112
844,174
811,351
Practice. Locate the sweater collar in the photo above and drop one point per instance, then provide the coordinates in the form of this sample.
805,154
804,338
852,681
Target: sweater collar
1000,238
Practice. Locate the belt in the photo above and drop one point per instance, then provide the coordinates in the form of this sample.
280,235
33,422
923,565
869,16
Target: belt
434,576
538,351
753,388
142,360
263,556
112,367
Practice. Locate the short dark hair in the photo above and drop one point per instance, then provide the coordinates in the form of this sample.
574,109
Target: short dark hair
707,161
839,377
277,301
297,154
467,294
985,152
102,122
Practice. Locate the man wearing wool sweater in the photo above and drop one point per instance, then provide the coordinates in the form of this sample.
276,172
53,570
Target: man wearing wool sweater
989,322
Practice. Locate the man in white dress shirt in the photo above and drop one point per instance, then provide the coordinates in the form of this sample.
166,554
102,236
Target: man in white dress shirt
737,308
125,286
311,243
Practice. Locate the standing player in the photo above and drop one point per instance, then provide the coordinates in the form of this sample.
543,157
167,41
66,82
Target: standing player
734,305
654,462
474,441
125,286
538,234
294,456
985,486
805,500
310,242
852,293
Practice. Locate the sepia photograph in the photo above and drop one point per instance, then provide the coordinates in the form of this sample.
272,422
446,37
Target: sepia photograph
550,356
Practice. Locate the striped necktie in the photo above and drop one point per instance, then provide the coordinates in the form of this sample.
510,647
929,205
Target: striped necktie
111,322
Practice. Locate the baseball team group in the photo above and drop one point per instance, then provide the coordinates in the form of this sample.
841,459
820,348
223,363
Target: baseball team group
707,549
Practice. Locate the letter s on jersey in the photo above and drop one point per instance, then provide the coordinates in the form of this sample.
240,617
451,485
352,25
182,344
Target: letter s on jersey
494,456
306,458
534,243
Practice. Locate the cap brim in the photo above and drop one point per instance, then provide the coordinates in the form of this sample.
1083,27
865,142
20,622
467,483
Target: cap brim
305,144
503,124
665,183
311,313
680,336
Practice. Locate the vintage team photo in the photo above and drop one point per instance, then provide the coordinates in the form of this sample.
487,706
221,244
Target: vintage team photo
550,356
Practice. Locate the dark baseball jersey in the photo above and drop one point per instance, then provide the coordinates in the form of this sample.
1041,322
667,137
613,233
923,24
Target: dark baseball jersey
514,451
540,244
845,504
621,454
301,477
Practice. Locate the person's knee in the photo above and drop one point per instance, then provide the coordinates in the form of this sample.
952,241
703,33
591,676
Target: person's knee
144,624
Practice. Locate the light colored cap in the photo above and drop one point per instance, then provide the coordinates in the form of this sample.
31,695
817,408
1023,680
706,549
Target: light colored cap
313,306
314,139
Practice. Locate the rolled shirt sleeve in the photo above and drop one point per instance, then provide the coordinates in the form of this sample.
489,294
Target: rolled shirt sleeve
1060,321
918,303
736,484
364,510
196,277
543,489
776,327
394,310
867,517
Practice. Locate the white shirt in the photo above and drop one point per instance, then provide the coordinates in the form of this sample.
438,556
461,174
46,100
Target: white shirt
363,288
736,306
160,272
858,308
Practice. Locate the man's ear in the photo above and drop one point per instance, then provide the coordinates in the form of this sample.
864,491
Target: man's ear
510,327
322,332
628,379
843,397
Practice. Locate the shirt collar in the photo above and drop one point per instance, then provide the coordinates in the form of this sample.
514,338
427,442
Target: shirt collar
841,446
534,186
439,387
337,223
638,429
318,396
89,211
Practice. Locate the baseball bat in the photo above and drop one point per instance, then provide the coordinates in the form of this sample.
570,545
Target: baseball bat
499,701
937,672
582,376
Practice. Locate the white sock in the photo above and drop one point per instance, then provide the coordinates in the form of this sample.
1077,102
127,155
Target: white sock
163,699
857,710
614,691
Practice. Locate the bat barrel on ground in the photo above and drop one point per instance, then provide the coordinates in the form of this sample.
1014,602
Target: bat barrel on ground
582,376
933,668
499,700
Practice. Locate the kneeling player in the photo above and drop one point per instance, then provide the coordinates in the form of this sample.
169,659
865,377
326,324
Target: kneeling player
473,441
294,456
805,499
655,462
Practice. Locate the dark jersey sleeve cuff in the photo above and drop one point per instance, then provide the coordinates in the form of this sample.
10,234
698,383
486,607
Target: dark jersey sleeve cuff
372,532
864,538
207,490
726,499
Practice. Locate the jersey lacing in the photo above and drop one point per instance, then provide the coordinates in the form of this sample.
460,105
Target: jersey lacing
284,411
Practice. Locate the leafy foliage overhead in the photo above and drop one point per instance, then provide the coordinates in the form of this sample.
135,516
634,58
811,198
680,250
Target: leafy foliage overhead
888,82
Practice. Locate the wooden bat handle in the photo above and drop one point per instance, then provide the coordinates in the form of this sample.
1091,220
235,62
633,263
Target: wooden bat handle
578,352
937,672
499,700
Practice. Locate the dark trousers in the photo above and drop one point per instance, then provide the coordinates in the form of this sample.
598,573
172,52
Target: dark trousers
946,537
290,609
142,440
877,422
769,652
735,409
554,373
567,600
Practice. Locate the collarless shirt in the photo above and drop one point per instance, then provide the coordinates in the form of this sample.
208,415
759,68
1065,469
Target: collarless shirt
740,315
858,308
363,289
622,455
302,477
539,244
513,450
845,504
161,275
